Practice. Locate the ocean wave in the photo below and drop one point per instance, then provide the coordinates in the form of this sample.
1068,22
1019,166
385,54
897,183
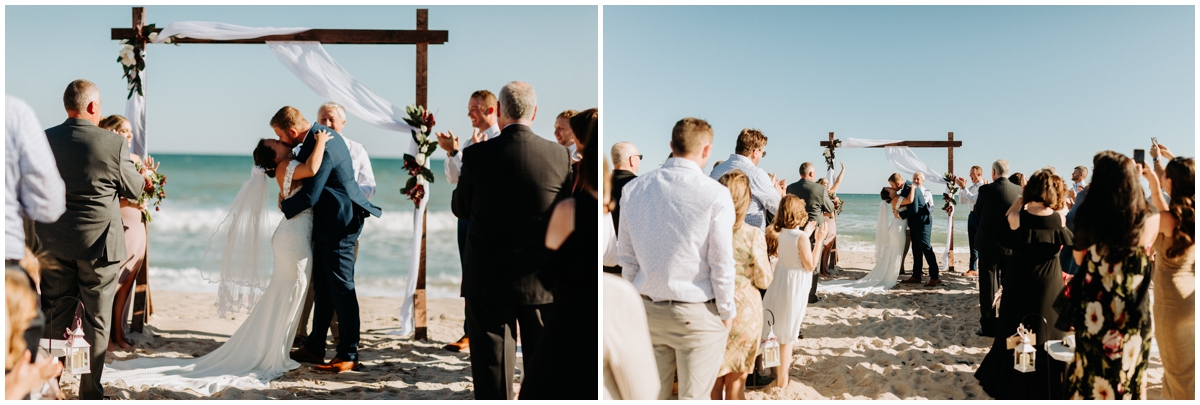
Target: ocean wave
201,220
193,280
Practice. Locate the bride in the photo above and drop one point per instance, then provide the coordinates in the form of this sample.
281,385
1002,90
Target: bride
889,249
258,351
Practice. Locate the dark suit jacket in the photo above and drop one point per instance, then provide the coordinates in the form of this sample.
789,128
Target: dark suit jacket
919,206
619,179
816,198
994,237
332,192
507,187
96,169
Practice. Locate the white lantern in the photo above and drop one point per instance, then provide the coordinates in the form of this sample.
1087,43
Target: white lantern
1024,355
770,351
79,353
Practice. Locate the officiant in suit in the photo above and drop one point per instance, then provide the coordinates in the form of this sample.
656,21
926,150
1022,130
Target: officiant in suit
339,208
88,240
993,241
507,187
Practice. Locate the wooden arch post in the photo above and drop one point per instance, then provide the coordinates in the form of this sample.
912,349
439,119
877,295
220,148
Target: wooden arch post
949,144
422,36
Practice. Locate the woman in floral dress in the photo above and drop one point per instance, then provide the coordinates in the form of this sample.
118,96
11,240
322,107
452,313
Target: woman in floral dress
753,272
1108,302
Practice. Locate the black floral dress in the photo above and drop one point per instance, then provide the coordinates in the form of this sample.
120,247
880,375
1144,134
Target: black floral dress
1110,307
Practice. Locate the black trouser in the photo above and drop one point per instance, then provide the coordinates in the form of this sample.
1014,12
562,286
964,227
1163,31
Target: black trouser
463,226
972,229
493,333
812,292
93,282
991,272
922,249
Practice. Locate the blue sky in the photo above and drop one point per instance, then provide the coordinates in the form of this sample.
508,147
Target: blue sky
217,99
1034,85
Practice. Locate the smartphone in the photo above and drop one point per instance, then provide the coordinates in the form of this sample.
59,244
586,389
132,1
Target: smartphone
1139,156
1154,140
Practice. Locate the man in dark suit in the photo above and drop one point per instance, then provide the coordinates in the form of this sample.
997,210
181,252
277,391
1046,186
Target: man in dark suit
993,241
816,201
507,188
339,209
626,161
88,240
920,226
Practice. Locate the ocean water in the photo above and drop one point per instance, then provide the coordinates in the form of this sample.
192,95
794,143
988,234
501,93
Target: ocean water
856,225
200,189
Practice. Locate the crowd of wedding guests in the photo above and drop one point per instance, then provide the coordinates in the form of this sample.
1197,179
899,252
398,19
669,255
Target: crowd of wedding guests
692,253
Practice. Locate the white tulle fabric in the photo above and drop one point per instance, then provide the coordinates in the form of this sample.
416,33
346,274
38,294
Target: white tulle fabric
317,70
238,256
889,249
258,351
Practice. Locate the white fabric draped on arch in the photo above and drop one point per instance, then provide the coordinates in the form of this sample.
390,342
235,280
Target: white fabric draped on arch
316,69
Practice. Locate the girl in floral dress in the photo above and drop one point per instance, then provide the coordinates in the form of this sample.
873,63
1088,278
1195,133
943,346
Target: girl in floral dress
1108,302
753,271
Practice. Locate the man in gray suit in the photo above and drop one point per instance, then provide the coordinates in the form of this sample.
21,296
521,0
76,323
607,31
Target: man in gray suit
816,201
88,240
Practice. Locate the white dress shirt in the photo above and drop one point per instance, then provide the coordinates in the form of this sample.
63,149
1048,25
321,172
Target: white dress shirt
675,240
763,196
363,175
969,195
608,239
33,188
928,198
453,164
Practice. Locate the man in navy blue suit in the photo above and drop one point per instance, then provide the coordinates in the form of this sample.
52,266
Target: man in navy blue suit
338,212
915,208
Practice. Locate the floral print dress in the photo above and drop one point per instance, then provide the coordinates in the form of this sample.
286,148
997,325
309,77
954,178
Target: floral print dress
1113,332
753,272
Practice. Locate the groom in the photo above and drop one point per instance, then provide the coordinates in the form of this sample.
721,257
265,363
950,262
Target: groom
915,208
338,212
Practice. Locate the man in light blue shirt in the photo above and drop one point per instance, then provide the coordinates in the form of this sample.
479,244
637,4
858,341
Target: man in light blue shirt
765,191
33,188
675,244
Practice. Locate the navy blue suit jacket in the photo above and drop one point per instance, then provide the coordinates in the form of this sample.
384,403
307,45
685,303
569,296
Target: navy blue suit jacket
919,204
331,192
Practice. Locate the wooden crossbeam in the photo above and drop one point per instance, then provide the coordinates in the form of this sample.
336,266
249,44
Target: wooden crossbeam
324,36
916,144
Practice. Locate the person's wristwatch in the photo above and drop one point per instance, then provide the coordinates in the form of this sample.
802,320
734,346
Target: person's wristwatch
453,153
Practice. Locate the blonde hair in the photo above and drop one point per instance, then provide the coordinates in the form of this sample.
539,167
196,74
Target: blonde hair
112,122
749,140
689,136
792,215
21,304
739,189
287,118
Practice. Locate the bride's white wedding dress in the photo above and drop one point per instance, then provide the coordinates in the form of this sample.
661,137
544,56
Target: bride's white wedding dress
889,249
258,351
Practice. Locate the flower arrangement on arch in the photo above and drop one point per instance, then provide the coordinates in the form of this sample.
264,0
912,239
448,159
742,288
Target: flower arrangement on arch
951,191
828,153
422,122
133,59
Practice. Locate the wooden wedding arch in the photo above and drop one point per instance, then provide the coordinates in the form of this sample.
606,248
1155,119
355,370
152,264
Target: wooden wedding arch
422,37
949,144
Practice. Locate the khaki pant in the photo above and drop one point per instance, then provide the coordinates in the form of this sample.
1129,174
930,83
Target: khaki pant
690,338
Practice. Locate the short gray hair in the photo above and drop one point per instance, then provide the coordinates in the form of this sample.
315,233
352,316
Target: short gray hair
807,167
517,101
1000,167
621,151
79,93
341,110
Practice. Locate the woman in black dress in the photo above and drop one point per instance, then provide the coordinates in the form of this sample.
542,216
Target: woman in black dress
1031,283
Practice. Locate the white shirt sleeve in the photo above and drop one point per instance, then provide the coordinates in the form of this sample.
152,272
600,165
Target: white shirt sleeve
42,193
626,257
609,241
970,194
363,175
720,256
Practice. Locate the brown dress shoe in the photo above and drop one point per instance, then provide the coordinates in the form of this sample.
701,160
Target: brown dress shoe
933,282
912,280
971,273
304,356
338,365
461,345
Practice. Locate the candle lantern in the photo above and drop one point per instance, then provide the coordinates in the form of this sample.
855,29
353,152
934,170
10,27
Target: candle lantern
770,351
1024,355
79,353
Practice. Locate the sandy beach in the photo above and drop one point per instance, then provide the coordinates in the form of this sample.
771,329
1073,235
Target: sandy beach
911,343
186,325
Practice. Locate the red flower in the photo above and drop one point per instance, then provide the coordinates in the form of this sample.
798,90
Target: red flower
416,193
427,118
1112,344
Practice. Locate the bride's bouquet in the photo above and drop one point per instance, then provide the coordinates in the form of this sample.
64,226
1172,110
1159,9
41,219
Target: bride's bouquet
155,189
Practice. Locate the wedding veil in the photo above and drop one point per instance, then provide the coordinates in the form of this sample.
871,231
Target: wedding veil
881,229
239,251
